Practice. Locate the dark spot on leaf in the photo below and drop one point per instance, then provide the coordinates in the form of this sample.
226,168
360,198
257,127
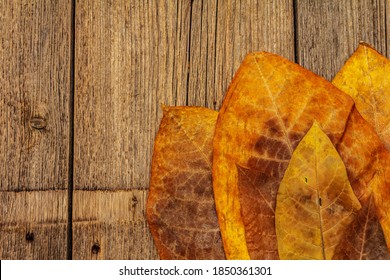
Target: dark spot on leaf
305,198
272,168
274,128
295,138
286,121
274,148
330,210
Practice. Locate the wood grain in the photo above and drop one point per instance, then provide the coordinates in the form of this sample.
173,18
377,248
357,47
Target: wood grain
33,225
111,225
328,32
34,121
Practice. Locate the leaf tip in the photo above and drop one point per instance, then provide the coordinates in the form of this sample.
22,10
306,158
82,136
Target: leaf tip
164,107
365,44
316,125
167,109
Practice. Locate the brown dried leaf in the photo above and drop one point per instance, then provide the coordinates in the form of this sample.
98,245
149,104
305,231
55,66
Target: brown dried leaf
364,239
180,208
258,212
315,201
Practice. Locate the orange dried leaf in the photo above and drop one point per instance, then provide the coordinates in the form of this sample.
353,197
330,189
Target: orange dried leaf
366,78
368,167
315,201
180,207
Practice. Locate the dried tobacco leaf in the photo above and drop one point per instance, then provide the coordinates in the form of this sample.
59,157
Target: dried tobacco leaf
180,207
270,105
315,201
366,78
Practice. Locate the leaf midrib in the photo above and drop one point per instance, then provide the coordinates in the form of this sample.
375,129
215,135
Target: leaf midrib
281,122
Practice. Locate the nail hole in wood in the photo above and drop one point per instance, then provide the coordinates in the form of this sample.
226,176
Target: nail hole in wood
38,123
134,200
95,248
30,236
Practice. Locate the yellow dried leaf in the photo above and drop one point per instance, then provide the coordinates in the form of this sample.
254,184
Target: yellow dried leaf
315,201
366,78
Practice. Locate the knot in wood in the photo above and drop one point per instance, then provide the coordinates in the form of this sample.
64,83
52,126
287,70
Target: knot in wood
38,123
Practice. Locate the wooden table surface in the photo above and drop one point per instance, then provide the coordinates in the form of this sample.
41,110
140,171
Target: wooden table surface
82,83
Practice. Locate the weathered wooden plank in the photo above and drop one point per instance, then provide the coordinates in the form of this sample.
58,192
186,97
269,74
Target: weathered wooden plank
111,225
35,129
328,31
201,52
33,225
223,32
130,59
